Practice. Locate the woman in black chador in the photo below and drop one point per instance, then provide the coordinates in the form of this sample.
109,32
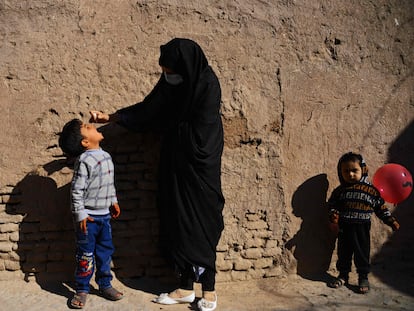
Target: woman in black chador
185,106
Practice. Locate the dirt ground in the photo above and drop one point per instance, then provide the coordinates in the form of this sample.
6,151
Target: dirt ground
293,293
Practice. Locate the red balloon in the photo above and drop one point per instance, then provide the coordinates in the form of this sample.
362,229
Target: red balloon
394,182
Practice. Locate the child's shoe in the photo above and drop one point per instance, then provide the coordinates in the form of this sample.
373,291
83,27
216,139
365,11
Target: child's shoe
363,285
340,281
79,300
111,293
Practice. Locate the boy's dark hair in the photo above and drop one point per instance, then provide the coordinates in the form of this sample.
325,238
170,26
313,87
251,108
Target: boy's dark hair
70,140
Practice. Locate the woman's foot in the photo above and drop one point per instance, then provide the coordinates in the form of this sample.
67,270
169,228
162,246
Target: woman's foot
177,296
208,302
180,293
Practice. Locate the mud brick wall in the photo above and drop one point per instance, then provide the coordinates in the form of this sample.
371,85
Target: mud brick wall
258,254
36,229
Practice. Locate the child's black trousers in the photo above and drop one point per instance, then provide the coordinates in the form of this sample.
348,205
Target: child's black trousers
354,240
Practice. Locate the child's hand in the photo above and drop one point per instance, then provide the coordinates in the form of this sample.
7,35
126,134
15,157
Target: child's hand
395,225
334,228
334,216
83,226
115,210
98,117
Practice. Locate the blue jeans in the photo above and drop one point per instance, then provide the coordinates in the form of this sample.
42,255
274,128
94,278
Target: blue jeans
94,249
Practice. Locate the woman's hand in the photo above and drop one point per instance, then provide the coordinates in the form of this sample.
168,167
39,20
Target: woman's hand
98,117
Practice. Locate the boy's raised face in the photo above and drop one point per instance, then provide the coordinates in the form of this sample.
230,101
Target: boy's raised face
91,137
351,172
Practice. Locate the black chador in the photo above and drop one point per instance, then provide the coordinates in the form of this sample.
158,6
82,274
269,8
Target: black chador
187,115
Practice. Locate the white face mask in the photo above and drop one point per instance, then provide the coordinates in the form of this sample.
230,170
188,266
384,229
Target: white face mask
173,78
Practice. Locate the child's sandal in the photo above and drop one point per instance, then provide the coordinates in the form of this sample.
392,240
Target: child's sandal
337,283
111,294
363,286
79,300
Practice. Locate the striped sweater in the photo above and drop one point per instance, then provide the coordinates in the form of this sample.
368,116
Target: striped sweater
355,203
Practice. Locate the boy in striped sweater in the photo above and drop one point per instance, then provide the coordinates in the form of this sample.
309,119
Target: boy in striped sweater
350,206
94,202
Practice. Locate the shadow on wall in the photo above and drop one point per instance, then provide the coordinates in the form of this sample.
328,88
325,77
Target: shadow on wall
394,263
314,243
46,242
46,245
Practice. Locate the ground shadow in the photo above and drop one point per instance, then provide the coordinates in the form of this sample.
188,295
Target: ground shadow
394,263
314,243
150,285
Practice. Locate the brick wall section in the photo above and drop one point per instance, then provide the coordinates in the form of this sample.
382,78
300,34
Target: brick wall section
257,255
9,234
36,231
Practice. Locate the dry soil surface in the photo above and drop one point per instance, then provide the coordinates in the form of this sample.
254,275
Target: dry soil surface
292,293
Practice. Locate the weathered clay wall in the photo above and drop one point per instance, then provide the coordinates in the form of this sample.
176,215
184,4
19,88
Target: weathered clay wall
302,82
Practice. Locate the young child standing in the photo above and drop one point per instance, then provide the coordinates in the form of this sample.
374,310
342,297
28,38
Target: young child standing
94,201
350,206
